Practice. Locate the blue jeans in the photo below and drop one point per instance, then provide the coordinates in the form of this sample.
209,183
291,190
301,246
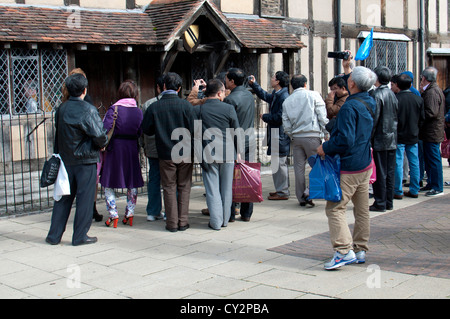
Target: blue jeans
154,205
412,153
433,165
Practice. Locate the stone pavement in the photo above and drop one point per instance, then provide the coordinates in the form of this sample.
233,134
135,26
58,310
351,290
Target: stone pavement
279,254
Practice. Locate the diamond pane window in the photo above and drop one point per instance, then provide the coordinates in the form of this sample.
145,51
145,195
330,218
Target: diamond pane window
392,54
31,80
25,77
54,71
4,82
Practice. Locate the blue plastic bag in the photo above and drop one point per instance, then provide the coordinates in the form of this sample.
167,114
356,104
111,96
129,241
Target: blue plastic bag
325,178
364,51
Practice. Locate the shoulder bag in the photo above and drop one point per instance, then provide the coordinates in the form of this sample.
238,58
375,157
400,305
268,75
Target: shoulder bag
111,131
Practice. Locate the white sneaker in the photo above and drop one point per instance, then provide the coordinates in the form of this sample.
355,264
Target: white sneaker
360,257
152,218
340,260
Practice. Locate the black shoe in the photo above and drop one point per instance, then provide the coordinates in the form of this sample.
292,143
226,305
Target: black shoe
306,201
373,208
434,193
87,241
408,194
425,189
183,228
50,242
172,230
96,215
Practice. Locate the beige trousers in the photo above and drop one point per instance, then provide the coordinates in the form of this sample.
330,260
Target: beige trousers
355,187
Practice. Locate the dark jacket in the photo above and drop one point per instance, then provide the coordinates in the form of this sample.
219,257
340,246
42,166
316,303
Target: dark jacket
350,137
432,130
79,132
274,118
385,121
163,117
410,117
244,105
447,99
217,117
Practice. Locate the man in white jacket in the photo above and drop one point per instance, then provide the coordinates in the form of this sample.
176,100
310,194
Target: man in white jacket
304,120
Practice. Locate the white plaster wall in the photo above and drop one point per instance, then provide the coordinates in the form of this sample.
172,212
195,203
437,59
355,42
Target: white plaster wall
237,6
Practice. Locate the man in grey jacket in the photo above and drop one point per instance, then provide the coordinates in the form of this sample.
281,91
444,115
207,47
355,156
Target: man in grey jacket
304,120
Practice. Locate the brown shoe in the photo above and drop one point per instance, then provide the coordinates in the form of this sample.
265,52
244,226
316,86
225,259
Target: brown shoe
273,193
278,197
408,194
205,211
245,219
398,196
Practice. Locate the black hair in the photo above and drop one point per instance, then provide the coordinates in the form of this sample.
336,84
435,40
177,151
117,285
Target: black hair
339,81
213,87
283,78
237,75
394,78
384,74
404,82
298,81
160,82
172,81
76,84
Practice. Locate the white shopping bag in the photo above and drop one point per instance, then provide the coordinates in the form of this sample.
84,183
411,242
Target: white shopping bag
62,185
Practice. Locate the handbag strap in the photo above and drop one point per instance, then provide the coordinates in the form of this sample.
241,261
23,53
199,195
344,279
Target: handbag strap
367,107
115,114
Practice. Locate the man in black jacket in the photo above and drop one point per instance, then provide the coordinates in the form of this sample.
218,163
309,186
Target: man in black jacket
410,118
79,137
172,116
244,104
384,141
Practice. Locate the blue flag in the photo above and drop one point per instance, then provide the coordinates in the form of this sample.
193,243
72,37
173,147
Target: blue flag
364,51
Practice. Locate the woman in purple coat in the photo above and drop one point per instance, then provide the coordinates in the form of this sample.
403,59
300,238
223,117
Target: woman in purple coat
121,166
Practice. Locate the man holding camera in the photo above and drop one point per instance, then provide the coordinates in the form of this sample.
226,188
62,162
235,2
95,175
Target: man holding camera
279,83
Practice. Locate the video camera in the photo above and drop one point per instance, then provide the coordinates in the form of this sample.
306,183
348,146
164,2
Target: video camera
339,55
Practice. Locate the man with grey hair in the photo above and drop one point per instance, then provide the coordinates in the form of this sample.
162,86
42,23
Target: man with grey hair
350,139
432,131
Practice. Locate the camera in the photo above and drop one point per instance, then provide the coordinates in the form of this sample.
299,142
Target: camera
339,55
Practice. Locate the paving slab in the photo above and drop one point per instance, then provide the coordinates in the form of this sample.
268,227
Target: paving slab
279,254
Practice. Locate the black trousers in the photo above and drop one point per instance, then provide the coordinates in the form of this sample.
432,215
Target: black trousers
83,180
383,188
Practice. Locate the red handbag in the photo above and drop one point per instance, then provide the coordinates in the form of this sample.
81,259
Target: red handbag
247,186
445,148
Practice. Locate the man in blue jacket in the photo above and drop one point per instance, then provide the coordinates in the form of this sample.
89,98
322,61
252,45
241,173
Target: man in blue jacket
350,138
274,120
